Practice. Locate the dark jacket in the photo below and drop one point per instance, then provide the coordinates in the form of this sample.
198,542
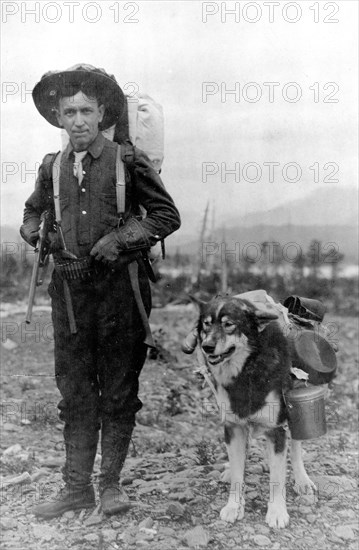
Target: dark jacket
89,210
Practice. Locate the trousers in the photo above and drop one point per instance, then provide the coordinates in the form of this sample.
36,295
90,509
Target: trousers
97,369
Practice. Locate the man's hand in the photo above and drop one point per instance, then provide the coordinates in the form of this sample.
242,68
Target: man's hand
106,249
30,233
127,238
54,242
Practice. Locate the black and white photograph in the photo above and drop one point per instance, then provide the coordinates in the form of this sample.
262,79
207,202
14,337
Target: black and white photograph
179,275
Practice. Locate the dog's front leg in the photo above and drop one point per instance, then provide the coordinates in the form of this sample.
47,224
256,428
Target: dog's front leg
277,515
236,441
302,483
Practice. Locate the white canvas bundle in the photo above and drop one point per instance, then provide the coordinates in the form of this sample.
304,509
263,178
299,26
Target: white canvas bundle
146,127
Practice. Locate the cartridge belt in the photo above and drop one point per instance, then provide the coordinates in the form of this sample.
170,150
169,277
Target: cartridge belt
82,268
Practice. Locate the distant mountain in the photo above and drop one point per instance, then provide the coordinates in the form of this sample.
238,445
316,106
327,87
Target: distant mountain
325,206
342,239
328,214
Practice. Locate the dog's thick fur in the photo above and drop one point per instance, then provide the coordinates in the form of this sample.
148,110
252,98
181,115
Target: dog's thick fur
248,356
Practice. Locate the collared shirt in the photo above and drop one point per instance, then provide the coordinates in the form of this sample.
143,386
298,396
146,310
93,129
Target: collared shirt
89,210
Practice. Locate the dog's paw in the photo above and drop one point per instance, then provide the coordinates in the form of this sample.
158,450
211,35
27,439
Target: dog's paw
304,486
226,476
231,512
277,517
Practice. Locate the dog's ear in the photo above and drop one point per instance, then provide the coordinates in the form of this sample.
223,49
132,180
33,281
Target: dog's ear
199,303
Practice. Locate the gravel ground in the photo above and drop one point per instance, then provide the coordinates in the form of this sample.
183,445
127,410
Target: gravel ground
173,471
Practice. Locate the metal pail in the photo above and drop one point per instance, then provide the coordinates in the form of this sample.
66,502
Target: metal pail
306,412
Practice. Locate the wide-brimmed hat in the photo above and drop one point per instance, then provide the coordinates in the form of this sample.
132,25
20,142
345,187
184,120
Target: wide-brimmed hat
83,77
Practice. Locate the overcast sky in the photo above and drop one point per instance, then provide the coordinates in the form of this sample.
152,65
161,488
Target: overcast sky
174,51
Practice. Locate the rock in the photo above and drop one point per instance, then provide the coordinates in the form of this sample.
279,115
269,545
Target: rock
9,344
20,479
91,537
137,482
176,509
127,480
219,524
109,535
219,467
8,523
44,532
255,469
116,525
52,462
146,534
145,490
252,494
39,474
82,515
305,509
331,486
261,540
186,496
344,532
214,474
146,523
94,519
13,450
9,427
167,531
196,537
261,529
127,537
69,515
346,514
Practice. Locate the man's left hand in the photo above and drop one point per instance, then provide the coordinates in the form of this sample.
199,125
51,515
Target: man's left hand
106,249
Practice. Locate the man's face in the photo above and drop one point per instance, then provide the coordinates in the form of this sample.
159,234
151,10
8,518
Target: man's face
80,116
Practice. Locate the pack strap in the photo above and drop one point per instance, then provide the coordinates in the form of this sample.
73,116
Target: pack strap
120,183
125,155
56,185
133,273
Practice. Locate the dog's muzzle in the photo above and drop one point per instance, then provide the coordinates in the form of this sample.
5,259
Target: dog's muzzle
214,359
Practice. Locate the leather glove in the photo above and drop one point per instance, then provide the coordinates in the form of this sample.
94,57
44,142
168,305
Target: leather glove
128,238
54,241
30,232
106,249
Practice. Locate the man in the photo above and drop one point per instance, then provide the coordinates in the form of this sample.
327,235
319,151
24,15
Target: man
99,285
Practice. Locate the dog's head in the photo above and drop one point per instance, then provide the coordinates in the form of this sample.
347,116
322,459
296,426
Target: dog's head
228,330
